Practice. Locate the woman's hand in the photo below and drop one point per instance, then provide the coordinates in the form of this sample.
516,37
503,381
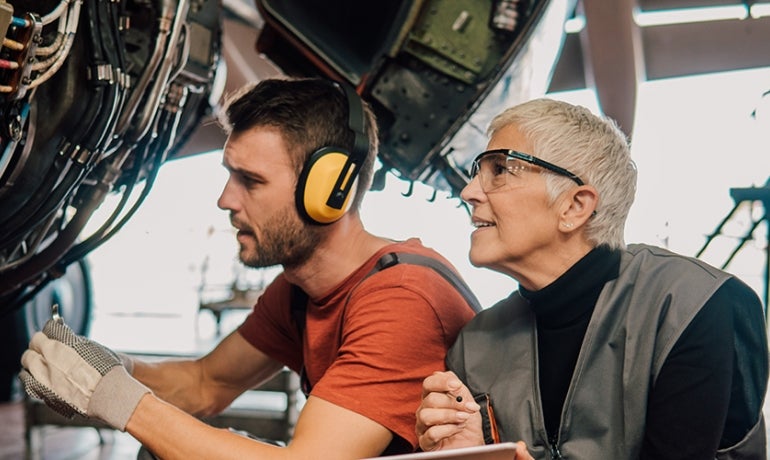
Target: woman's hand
448,417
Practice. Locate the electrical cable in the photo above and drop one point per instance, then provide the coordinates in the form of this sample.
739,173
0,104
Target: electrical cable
59,182
72,24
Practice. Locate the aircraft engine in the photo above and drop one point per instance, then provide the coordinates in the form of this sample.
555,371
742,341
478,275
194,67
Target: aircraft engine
95,96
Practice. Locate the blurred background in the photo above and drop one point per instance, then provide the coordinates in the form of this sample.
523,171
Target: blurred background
695,139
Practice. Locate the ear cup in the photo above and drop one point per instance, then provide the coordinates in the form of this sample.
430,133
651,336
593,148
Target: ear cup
328,179
316,200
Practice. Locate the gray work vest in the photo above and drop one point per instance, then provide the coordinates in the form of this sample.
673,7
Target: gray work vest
637,320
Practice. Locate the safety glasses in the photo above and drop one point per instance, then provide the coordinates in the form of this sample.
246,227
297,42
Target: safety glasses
494,166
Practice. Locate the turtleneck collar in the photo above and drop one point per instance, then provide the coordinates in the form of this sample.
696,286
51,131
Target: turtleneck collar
574,293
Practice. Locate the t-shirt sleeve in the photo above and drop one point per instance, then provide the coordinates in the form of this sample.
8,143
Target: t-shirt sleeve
398,326
271,329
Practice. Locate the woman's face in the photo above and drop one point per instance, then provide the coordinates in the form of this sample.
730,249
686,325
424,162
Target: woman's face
516,229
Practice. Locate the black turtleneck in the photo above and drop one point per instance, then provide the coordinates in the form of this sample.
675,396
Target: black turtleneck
685,390
563,310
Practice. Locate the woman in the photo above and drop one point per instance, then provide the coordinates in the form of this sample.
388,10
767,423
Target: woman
606,350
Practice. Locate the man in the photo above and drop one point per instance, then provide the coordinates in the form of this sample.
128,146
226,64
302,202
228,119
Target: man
300,156
607,350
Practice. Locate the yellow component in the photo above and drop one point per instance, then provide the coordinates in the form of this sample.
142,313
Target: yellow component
320,184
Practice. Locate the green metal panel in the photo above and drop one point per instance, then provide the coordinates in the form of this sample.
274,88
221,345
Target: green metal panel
455,38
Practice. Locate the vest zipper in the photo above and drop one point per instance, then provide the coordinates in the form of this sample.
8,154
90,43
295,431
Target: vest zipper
553,446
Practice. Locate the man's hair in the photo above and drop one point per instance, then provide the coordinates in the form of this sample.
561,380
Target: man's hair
309,112
590,146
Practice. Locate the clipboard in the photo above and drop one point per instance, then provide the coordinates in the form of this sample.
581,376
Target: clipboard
501,451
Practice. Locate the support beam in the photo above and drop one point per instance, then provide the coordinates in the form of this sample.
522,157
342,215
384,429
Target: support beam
613,57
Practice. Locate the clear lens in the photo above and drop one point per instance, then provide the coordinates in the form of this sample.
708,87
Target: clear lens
494,169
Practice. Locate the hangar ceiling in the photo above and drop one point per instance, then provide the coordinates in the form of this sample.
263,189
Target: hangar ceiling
616,44
610,45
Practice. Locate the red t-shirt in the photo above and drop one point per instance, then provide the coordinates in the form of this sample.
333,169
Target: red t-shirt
371,356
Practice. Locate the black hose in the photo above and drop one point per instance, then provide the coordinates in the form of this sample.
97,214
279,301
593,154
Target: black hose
29,217
47,258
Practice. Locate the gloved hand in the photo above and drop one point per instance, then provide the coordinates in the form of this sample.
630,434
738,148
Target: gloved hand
73,374
127,361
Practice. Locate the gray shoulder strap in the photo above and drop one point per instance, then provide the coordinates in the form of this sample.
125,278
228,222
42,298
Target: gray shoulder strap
392,258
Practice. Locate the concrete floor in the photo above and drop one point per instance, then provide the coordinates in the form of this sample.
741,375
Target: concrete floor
55,443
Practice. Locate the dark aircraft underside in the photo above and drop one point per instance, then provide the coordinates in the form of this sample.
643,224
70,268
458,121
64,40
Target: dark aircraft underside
98,95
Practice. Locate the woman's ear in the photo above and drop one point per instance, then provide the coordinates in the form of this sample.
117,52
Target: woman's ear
582,202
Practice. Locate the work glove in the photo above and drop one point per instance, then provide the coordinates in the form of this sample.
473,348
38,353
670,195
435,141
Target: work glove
127,361
75,375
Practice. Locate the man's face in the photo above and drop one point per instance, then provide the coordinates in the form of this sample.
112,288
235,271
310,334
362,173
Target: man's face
259,195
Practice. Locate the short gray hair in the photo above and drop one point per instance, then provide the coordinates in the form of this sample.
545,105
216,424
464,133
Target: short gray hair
590,146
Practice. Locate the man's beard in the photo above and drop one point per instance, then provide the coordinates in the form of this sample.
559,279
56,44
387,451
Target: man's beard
287,241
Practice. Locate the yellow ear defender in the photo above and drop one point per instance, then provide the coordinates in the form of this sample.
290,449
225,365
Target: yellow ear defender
327,181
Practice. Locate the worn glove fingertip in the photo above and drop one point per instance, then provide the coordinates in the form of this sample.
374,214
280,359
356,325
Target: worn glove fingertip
37,390
29,387
37,340
28,357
